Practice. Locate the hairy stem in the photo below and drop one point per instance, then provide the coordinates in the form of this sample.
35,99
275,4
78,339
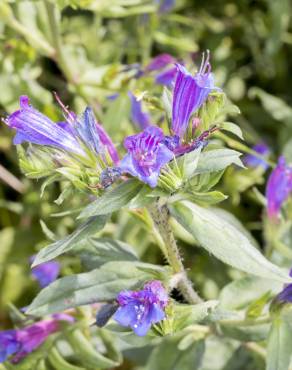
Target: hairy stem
160,216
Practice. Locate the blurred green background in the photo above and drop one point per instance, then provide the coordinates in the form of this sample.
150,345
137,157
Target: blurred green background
79,49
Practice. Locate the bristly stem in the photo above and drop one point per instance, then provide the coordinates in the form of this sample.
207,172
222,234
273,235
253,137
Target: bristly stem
160,216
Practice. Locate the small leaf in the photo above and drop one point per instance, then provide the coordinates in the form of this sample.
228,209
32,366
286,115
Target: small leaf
167,356
217,160
233,128
90,227
113,200
224,241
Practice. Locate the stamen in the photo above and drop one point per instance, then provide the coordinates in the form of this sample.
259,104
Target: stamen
70,117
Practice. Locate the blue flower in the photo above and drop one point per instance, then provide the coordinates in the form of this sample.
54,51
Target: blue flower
45,273
146,155
8,344
253,161
279,186
159,62
141,309
190,92
165,5
286,294
141,119
167,77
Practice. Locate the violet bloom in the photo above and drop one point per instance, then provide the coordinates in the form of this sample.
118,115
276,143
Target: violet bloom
279,187
251,160
159,62
34,127
147,154
190,92
45,273
21,342
141,309
166,5
167,77
286,294
141,119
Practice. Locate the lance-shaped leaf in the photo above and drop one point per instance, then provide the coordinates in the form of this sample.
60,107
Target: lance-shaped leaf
113,200
98,285
217,160
97,251
90,227
225,242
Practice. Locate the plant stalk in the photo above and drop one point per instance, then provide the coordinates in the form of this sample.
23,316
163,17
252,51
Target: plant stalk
160,216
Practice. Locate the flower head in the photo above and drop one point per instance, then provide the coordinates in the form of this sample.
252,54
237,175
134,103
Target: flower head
253,161
147,154
73,135
34,127
45,273
141,119
140,309
190,92
279,187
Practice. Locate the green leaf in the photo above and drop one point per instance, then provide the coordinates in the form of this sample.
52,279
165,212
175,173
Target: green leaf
208,198
98,285
90,227
185,315
188,163
225,242
217,160
233,128
97,251
279,342
113,200
240,293
167,355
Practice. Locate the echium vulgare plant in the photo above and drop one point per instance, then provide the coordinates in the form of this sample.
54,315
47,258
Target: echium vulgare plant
164,176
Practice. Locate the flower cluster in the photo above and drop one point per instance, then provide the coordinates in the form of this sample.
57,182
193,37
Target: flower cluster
279,187
21,342
147,151
141,309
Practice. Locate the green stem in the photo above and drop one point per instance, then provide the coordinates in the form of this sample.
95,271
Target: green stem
160,216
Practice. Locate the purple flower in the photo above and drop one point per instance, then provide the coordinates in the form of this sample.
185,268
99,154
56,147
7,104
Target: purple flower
190,92
140,309
34,127
45,273
279,187
140,118
159,62
251,160
167,77
21,342
146,155
166,5
286,294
